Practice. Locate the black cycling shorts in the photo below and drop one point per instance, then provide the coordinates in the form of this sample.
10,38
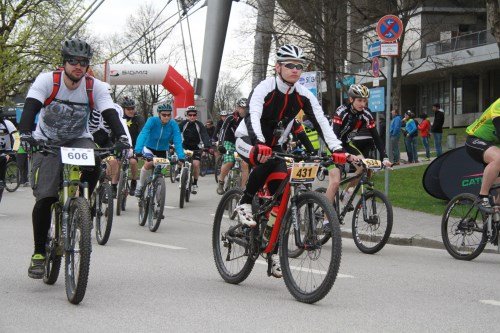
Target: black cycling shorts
476,147
196,152
158,153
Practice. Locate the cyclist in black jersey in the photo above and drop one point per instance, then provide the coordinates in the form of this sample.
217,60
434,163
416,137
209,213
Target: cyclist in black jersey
227,145
135,123
347,121
273,106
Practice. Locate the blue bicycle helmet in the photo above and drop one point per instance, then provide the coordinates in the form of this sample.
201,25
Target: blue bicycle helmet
164,107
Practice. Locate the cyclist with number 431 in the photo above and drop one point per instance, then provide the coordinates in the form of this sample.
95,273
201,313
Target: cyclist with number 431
273,106
64,99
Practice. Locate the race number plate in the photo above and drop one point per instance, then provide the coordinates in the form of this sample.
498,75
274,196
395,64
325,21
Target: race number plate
77,156
161,161
304,172
188,152
372,164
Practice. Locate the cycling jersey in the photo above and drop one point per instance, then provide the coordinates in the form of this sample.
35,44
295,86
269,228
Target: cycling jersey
273,107
157,136
135,125
347,122
194,133
229,127
483,127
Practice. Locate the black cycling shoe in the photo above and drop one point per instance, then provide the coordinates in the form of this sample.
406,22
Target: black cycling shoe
37,266
133,185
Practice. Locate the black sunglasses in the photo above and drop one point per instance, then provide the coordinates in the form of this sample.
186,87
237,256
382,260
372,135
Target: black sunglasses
290,65
192,114
74,62
165,114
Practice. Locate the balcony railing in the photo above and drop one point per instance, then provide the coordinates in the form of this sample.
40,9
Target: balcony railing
461,42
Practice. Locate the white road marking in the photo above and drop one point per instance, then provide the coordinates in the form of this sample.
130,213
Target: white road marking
339,275
170,207
490,302
171,247
3,215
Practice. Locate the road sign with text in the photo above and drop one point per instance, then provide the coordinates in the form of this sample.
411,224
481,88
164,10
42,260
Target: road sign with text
374,49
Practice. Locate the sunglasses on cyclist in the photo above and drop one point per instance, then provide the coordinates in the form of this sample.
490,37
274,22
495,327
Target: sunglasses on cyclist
192,114
290,65
74,62
165,115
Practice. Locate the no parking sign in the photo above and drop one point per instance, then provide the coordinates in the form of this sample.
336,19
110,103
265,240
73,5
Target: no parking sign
389,28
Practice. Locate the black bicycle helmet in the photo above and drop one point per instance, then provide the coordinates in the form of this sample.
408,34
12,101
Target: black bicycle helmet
128,102
76,48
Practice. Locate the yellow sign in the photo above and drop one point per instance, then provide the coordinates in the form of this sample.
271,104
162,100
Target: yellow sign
372,164
304,172
162,161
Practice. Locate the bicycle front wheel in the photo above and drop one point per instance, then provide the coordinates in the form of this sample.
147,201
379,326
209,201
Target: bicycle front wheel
104,213
371,231
122,192
172,173
143,206
183,186
203,166
310,273
231,241
157,204
320,175
12,175
218,165
53,251
77,256
463,228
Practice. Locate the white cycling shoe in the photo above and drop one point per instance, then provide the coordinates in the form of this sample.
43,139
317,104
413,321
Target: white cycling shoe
276,267
245,214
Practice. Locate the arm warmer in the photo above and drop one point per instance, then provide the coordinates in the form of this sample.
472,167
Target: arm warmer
31,108
378,142
496,122
113,120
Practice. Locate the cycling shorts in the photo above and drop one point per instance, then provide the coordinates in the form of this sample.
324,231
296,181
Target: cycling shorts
476,147
156,153
196,152
229,155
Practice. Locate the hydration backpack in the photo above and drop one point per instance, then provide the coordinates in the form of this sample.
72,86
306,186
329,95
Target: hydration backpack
56,78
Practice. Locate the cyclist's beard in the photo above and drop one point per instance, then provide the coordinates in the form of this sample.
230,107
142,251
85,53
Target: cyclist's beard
73,78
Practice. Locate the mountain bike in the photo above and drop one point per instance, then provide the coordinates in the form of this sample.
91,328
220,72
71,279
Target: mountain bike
233,179
372,214
309,266
174,169
102,204
71,223
186,179
123,184
152,196
466,230
12,174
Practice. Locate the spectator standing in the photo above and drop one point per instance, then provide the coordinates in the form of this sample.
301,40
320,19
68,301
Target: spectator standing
437,127
423,129
411,133
395,133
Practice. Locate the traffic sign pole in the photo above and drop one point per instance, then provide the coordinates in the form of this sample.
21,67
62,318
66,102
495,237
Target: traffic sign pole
388,121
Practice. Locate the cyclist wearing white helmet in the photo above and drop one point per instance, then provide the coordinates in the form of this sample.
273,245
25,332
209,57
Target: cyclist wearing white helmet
195,138
347,121
273,105
227,145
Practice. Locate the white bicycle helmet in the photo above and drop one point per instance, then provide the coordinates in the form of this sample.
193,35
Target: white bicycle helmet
358,91
290,52
242,102
223,113
191,108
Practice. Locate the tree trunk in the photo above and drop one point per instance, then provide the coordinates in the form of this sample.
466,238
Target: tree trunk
493,12
263,36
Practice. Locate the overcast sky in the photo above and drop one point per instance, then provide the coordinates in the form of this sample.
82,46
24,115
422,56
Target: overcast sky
112,15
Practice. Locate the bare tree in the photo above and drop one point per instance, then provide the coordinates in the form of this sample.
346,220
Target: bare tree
226,95
493,14
263,37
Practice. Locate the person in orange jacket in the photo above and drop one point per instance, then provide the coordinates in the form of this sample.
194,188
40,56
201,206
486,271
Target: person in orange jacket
423,129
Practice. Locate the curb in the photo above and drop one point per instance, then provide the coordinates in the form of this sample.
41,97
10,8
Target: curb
417,240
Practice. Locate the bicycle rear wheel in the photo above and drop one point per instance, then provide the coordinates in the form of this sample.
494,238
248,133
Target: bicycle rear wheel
12,175
104,213
172,173
310,276
184,180
463,228
370,234
157,204
53,250
77,257
231,241
189,185
320,175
